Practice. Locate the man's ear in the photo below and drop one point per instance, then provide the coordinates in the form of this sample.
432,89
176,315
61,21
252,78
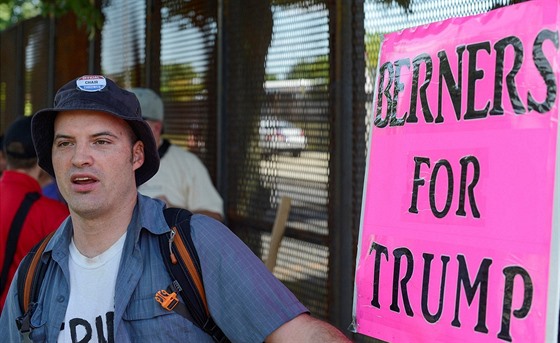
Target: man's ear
137,155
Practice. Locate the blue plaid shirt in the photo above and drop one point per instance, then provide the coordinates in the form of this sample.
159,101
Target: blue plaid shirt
244,298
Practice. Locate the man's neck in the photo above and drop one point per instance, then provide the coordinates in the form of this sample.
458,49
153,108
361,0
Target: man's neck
93,236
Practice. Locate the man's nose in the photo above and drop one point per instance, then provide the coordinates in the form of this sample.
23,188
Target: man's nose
82,155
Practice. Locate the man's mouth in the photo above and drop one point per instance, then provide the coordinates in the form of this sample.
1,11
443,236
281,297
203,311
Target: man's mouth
83,180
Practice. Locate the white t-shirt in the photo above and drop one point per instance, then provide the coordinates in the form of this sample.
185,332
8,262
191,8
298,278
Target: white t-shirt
183,180
91,305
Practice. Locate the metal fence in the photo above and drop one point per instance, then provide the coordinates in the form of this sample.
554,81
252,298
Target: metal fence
225,68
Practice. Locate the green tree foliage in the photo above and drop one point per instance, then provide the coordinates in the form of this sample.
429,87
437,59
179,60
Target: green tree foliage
12,11
317,68
183,77
373,45
87,12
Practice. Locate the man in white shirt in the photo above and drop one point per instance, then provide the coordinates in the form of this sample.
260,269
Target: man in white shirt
182,180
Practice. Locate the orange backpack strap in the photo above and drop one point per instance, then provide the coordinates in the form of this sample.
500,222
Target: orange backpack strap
29,279
183,264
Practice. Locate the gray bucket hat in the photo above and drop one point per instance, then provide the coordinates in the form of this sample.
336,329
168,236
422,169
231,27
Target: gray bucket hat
150,102
96,93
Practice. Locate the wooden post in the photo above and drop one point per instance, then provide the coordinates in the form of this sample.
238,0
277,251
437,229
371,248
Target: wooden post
278,231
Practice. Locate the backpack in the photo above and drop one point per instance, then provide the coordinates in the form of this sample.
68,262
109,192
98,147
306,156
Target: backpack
181,260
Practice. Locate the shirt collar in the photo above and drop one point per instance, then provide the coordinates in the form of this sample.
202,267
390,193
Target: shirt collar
147,214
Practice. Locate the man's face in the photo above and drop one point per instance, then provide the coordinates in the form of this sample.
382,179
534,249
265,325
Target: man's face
94,161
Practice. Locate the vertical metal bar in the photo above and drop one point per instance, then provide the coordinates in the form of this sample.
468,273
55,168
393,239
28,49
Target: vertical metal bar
51,60
221,174
92,54
152,49
341,274
20,72
152,69
148,44
94,45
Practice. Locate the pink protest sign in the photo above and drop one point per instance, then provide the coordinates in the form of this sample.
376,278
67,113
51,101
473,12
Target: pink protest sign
459,210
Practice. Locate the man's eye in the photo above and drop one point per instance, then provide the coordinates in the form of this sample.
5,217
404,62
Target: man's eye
101,142
63,144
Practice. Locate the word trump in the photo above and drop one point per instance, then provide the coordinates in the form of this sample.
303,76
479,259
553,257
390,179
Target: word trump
403,255
390,85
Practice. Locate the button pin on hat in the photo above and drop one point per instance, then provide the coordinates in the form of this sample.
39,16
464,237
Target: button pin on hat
91,83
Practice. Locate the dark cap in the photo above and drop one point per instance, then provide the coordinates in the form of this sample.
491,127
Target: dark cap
95,93
17,140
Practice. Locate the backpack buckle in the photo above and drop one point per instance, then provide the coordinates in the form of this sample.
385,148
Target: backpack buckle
167,300
24,322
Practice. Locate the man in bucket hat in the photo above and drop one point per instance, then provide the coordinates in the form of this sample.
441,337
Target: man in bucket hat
106,264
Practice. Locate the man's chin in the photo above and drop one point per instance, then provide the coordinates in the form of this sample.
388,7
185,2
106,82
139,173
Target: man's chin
85,209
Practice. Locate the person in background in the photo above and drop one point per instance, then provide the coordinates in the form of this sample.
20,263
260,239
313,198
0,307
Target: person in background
182,180
49,187
18,180
105,263
2,156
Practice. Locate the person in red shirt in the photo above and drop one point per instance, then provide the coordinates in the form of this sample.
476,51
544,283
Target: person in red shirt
19,179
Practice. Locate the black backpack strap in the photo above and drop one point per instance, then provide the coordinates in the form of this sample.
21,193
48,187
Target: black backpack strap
30,276
183,264
13,236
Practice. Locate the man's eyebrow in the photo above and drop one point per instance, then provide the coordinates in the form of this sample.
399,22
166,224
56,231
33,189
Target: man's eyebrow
95,135
105,133
61,136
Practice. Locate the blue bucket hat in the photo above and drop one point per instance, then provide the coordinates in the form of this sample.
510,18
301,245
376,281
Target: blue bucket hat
96,93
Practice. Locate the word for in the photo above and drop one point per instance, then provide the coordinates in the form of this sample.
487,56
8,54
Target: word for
418,181
471,289
393,72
